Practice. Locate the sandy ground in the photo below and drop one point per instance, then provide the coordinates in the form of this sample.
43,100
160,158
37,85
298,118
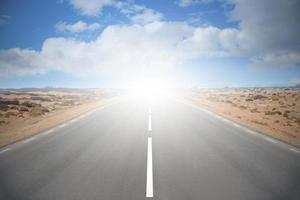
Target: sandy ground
26,113
271,111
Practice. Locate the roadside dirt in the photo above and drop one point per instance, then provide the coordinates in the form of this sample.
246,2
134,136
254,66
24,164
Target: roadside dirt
271,111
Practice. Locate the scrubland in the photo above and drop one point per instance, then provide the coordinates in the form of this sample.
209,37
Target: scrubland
271,111
25,112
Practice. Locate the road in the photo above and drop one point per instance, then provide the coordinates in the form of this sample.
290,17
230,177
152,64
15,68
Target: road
161,149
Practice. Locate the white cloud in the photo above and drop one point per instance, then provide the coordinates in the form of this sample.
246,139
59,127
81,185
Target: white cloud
90,7
268,24
20,62
147,16
77,27
158,47
136,13
211,42
277,59
128,8
186,3
269,30
121,50
4,19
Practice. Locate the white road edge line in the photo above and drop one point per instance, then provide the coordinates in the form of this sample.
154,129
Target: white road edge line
225,120
149,184
55,128
29,140
236,125
287,146
149,124
4,150
62,125
251,132
294,150
49,131
270,140
149,111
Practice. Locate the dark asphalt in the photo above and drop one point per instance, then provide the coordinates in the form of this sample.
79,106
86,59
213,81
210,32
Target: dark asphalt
104,156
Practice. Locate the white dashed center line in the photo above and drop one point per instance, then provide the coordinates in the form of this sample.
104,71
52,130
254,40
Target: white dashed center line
149,184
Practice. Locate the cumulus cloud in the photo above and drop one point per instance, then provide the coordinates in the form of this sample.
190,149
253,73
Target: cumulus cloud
20,62
277,59
123,50
90,7
186,3
270,29
77,27
157,47
136,13
211,42
147,16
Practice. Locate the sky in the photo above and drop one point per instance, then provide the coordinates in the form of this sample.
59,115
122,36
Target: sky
183,43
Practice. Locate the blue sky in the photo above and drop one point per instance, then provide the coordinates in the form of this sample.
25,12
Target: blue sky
109,43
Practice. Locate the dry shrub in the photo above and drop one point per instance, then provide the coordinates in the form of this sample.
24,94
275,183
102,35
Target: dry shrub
285,114
259,96
38,110
23,109
2,121
4,107
11,113
273,112
9,102
258,122
254,110
39,98
29,104
243,107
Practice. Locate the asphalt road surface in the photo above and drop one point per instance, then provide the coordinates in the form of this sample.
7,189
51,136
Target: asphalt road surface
159,149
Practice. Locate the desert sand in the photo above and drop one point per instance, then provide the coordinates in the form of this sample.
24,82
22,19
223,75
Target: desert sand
271,111
26,112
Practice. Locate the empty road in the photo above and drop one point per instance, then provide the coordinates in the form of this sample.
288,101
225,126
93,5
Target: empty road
156,149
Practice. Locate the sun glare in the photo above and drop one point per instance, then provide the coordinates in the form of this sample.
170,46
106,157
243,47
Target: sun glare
150,89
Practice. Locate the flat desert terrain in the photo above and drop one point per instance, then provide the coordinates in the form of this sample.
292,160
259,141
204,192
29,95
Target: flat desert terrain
271,111
25,112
